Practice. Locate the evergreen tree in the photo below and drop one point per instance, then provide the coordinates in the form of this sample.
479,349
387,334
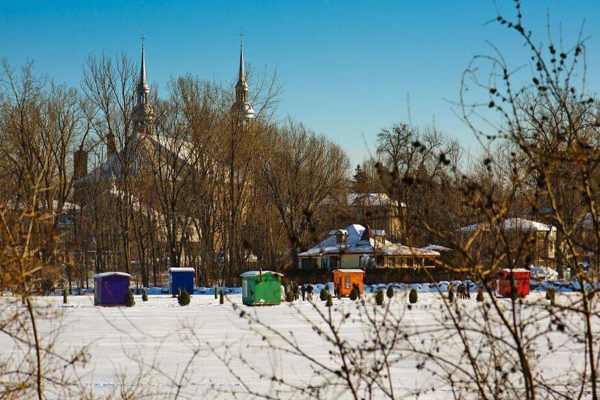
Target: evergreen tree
413,296
144,295
551,295
451,295
289,294
129,300
379,297
329,300
354,293
479,297
184,298
324,294
360,180
390,292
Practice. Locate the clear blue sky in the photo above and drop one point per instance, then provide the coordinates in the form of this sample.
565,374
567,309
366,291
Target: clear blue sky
346,66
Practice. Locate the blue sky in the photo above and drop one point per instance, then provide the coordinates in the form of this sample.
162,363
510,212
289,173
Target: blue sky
346,66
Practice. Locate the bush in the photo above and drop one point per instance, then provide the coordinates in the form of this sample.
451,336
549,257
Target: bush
64,295
144,295
354,293
329,300
390,292
129,300
551,294
379,297
184,298
451,295
221,297
413,296
324,294
289,294
479,297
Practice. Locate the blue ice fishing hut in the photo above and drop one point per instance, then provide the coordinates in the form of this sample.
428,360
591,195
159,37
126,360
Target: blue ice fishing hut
181,278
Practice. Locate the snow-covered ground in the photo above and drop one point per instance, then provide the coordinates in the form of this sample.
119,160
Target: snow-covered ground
157,332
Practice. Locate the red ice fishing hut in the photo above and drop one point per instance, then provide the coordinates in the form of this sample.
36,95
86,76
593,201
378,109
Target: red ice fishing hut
520,277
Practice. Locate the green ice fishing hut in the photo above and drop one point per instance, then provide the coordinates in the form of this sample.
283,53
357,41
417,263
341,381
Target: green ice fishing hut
261,288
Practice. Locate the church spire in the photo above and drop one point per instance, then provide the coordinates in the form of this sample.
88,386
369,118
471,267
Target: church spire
143,115
143,90
242,105
242,74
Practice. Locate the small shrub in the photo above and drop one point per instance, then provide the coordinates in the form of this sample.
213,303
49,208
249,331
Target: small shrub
451,295
354,293
216,291
379,297
329,300
64,296
413,296
129,300
590,295
144,295
221,297
551,294
324,294
479,297
289,294
184,298
390,292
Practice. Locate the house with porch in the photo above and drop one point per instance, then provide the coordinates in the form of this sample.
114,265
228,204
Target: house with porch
534,243
357,246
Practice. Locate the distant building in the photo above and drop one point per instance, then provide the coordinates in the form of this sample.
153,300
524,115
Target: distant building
542,237
378,211
360,247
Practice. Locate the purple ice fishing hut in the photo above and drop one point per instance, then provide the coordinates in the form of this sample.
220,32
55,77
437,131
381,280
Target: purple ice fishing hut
110,288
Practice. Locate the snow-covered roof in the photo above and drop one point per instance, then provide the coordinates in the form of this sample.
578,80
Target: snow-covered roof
144,147
351,270
104,274
257,273
180,269
355,244
514,270
437,247
372,199
512,224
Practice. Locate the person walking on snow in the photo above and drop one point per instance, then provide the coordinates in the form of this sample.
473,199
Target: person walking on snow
310,291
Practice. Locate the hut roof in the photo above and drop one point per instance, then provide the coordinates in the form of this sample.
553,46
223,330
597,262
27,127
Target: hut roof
180,269
354,270
104,274
257,273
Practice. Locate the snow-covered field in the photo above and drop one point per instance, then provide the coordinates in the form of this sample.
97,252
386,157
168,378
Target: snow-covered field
155,332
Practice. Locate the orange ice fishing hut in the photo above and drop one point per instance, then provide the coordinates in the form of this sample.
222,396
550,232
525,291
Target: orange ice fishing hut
345,279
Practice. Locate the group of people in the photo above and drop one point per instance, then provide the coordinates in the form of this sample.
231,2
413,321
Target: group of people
462,291
307,291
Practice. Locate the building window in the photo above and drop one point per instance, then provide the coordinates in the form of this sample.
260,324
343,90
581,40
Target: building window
347,282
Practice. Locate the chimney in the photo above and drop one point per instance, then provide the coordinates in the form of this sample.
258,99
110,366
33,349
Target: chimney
110,145
80,161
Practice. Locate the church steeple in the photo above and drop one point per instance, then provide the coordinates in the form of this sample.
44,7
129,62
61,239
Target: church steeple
143,115
242,105
143,90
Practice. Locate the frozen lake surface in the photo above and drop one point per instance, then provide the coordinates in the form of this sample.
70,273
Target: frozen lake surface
164,335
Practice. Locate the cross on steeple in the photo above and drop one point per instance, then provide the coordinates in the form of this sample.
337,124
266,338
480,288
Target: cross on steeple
241,37
143,37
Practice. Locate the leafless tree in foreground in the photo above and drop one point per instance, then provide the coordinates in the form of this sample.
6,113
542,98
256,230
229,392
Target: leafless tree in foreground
539,135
